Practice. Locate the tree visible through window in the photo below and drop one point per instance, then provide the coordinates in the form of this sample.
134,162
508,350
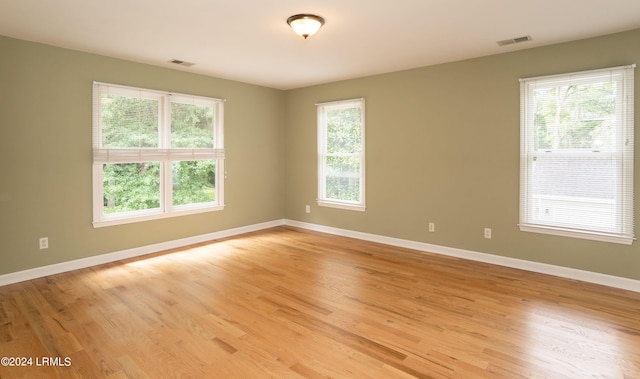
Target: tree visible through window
341,154
155,154
577,155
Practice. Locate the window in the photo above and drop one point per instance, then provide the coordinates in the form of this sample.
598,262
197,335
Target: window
341,154
155,154
576,158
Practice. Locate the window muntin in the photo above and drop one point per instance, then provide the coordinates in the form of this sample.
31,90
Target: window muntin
156,154
577,155
341,157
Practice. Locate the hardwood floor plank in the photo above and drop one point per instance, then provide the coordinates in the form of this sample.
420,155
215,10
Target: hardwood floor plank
293,303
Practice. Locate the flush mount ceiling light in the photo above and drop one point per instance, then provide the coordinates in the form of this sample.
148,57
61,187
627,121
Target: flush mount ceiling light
305,25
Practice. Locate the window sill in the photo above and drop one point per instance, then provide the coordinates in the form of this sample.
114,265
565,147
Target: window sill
602,237
153,216
348,206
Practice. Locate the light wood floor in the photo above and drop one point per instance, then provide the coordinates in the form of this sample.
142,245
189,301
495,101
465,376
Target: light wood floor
289,303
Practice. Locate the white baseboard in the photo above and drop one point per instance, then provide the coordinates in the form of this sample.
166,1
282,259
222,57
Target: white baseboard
564,272
57,268
543,268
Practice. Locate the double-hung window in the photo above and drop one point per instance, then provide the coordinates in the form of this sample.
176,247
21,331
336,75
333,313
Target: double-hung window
341,157
155,154
577,155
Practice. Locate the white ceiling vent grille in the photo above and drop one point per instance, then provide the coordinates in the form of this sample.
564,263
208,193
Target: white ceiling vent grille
514,40
181,63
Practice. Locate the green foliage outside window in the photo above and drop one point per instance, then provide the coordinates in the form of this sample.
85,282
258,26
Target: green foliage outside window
131,187
129,122
575,116
191,126
342,161
193,182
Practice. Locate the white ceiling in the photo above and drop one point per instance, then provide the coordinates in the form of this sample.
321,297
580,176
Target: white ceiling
249,40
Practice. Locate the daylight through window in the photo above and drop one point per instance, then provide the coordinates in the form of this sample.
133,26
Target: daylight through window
341,157
577,155
155,154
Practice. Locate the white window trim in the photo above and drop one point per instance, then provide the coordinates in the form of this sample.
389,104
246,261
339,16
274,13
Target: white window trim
526,146
322,148
161,154
341,205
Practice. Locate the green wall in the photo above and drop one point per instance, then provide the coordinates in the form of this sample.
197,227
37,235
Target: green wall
45,155
443,146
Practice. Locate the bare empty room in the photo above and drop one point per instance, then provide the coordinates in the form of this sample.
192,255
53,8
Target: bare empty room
325,189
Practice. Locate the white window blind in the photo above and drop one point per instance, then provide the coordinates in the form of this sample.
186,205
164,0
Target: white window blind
576,158
341,154
155,154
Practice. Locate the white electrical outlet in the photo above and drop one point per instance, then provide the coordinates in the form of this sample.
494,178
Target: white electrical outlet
487,233
44,243
307,209
432,227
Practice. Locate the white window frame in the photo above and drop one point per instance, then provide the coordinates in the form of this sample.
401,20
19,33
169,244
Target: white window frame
622,231
164,154
323,199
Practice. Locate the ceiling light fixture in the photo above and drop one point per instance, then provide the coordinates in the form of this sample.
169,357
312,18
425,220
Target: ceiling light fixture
305,25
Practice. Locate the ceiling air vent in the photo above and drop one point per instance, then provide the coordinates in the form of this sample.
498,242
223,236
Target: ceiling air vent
181,63
513,40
